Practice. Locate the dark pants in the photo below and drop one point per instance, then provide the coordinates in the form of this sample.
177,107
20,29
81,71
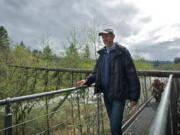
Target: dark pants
115,109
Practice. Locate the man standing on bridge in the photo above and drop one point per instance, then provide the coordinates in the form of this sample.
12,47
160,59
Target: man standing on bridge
115,75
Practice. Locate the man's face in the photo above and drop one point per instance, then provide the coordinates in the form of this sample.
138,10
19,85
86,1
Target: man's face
108,39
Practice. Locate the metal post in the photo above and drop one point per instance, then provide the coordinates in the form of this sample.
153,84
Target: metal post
8,120
173,106
98,115
72,112
79,115
145,88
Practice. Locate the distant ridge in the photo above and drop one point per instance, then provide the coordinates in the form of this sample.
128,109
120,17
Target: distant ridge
158,62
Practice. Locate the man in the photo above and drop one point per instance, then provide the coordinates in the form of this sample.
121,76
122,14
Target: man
115,75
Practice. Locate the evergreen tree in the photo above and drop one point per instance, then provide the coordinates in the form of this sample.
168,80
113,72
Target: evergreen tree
4,45
47,54
156,63
4,39
22,44
72,50
177,60
72,58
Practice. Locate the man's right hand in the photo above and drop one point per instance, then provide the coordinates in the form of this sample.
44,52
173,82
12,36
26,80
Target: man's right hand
80,83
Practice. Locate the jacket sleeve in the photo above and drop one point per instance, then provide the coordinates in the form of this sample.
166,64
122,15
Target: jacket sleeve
132,78
92,77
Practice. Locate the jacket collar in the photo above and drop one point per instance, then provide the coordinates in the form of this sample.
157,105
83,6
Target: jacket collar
118,49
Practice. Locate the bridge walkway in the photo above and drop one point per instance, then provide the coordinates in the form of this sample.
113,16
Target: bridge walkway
140,126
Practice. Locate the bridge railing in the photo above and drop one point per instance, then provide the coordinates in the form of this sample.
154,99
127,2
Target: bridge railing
75,115
81,113
164,122
57,110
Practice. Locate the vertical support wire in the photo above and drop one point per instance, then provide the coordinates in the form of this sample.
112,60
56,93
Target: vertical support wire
23,107
174,105
142,90
102,116
72,81
8,120
148,85
150,81
86,106
145,88
19,107
8,114
33,86
58,80
79,110
97,115
9,77
72,114
72,107
79,115
27,78
47,105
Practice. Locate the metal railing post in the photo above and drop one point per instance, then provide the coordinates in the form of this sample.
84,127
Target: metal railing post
8,120
145,88
98,115
79,114
173,105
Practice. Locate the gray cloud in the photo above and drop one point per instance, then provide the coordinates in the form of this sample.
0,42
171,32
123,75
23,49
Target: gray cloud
146,19
30,20
33,17
167,50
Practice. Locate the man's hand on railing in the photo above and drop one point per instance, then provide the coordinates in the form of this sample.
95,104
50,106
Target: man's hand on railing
80,83
132,103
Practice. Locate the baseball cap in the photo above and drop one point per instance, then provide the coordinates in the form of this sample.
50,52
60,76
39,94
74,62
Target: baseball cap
106,31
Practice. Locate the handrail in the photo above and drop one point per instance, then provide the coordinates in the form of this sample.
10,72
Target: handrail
159,124
134,116
54,69
152,73
38,95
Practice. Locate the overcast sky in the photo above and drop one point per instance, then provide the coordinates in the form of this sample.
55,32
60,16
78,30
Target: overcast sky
148,28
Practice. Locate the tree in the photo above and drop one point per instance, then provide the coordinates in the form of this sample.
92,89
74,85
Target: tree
72,57
4,45
35,51
22,44
142,64
86,53
94,40
156,63
47,53
72,50
177,60
48,56
4,39
22,55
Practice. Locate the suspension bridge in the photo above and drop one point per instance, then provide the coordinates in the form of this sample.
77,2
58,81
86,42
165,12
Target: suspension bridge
49,104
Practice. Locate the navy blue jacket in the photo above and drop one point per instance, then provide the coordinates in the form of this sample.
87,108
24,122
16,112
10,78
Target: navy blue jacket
123,80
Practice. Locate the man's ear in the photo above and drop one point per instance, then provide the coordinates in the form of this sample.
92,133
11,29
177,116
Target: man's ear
113,36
